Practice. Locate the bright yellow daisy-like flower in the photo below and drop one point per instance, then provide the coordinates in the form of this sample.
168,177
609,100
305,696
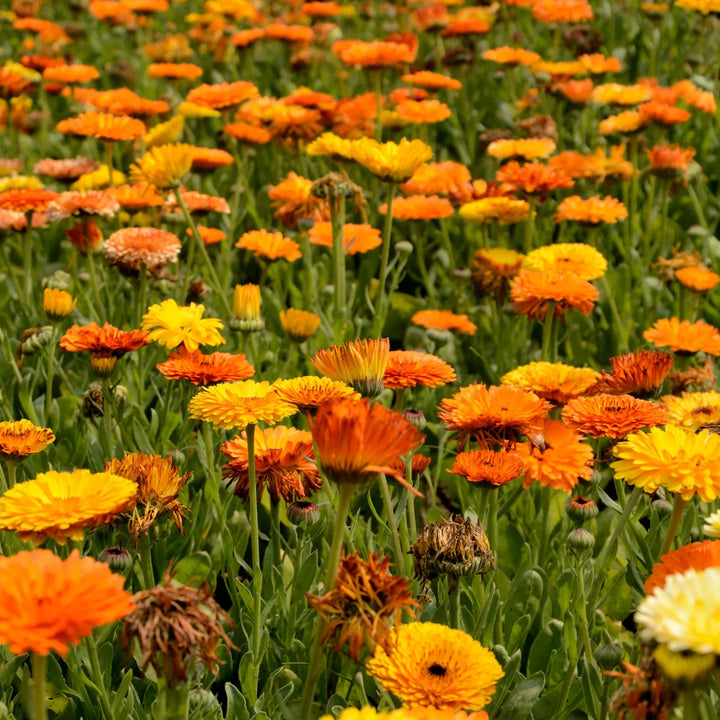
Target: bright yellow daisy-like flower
679,460
333,145
526,148
164,133
502,209
172,325
57,304
237,405
163,166
61,505
392,162
309,391
428,664
693,410
299,324
555,382
576,258
21,438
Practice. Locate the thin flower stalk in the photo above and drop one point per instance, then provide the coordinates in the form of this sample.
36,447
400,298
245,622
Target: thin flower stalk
677,513
383,301
257,578
39,692
337,215
549,336
392,522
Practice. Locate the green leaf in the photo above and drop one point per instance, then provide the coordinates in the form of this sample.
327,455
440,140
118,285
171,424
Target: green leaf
236,705
194,569
519,704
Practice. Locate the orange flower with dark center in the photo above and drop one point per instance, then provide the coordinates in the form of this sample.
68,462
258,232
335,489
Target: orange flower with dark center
559,460
26,200
71,73
272,246
133,247
65,170
47,603
533,178
511,56
431,80
294,202
613,416
175,70
487,467
309,392
356,238
696,556
103,126
420,207
357,441
443,320
422,111
531,293
670,161
205,159
21,438
493,268
197,203
366,597
640,373
248,133
495,413
662,114
360,363
408,368
697,278
284,464
375,54
591,211
222,95
555,382
135,198
93,202
202,369
684,337
562,11
440,178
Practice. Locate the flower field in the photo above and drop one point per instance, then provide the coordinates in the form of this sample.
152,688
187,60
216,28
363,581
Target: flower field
357,360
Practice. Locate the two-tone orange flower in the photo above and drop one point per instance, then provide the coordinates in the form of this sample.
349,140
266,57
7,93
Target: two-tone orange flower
684,337
531,293
359,363
269,245
20,438
533,178
408,368
488,468
613,416
103,126
201,369
444,320
640,373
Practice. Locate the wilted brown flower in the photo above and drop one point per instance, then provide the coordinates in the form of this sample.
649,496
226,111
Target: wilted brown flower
366,596
173,623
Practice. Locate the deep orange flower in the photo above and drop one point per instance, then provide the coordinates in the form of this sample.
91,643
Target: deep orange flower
420,207
624,122
294,202
532,291
591,211
443,320
697,278
131,248
284,463
670,160
408,368
487,467
662,114
559,460
442,178
356,238
431,80
245,38
210,158
222,95
119,101
197,203
641,373
470,26
357,440
696,556
598,64
135,198
533,178
289,33
103,126
555,382
26,200
422,111
562,11
511,56
272,246
374,54
576,91
187,71
47,603
309,392
248,133
93,202
684,337
321,9
65,170
71,73
21,438
202,369
360,363
494,413
613,416
210,236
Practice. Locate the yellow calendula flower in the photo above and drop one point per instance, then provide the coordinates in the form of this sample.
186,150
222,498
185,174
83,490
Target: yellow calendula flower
392,162
57,304
693,410
163,166
21,182
237,405
299,324
502,209
163,133
555,382
193,110
333,145
97,179
172,325
246,308
577,258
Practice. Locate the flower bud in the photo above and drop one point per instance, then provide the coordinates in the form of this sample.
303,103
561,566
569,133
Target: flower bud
416,417
581,509
405,248
246,309
664,508
118,558
580,543
608,655
302,512
57,304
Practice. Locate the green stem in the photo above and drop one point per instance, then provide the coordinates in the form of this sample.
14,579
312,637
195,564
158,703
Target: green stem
689,705
255,540
582,609
380,308
549,337
530,224
27,261
50,373
109,162
677,513
39,670
387,499
315,665
145,555
11,474
173,700
98,310
337,209
492,517
275,535
108,404
97,678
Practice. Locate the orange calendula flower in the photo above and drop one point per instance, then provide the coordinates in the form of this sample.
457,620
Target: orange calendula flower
375,54
591,211
511,56
247,133
359,363
309,392
357,440
356,238
487,467
408,368
531,293
670,161
25,200
202,369
571,258
555,382
105,344
662,114
222,95
684,337
245,38
640,373
175,71
697,278
103,126
490,209
289,33
562,11
48,603
693,410
20,438
613,416
135,198
71,73
526,148
696,556
598,64
196,203
131,248
172,325
272,246
533,178
576,91
431,80
206,159
420,207
559,460
617,94
92,202
392,162
163,166
299,324
237,405
422,111
284,463
555,70
210,236
493,268
444,320
60,505
470,26
441,178
494,413
65,170
57,304
624,122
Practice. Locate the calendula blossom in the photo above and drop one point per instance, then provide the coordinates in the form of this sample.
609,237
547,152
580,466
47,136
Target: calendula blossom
172,325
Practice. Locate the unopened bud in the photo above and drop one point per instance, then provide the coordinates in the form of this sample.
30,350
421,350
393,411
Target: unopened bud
580,543
118,558
581,509
302,512
608,655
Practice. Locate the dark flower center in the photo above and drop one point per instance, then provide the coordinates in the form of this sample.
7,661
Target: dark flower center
437,670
